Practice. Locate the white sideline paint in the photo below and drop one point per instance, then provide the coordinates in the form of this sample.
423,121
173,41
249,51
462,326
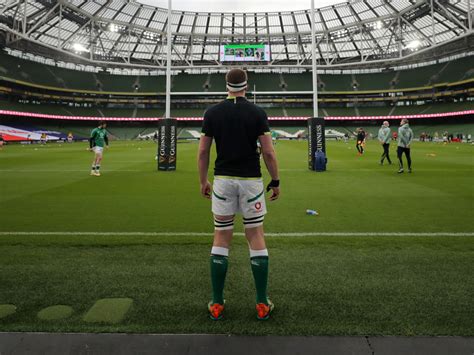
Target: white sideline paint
332,133
194,133
298,234
289,135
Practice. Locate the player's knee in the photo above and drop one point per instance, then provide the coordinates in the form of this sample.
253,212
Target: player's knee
223,223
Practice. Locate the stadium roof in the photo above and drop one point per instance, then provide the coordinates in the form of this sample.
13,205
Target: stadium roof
130,33
239,5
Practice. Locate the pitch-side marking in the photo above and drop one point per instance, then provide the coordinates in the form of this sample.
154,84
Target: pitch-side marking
108,310
55,312
298,234
146,171
6,310
70,171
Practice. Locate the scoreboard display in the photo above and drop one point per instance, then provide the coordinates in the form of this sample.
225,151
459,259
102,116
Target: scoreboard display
244,53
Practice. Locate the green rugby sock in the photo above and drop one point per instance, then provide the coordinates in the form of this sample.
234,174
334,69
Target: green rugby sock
259,263
219,264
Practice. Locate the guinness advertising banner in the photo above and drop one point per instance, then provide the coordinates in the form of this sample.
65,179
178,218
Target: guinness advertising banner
316,140
167,144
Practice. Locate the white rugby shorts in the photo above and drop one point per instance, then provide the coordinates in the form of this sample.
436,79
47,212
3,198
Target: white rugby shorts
233,195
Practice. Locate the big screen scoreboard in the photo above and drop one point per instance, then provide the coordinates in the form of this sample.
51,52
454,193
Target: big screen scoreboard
244,53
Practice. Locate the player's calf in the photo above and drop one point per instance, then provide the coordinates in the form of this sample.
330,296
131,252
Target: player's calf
219,262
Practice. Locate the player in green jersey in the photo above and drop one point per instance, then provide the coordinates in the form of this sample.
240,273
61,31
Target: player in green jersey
98,140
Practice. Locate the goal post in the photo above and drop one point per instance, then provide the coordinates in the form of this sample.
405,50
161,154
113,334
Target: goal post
167,144
316,144
168,127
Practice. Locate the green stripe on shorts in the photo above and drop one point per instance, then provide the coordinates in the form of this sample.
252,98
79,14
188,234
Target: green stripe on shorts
256,197
219,197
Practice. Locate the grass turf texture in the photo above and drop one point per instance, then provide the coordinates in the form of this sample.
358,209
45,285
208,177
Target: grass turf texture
320,285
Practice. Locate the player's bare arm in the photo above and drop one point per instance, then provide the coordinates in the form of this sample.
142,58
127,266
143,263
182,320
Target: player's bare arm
269,156
204,152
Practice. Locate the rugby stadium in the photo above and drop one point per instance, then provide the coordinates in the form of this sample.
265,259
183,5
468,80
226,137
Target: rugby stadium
366,257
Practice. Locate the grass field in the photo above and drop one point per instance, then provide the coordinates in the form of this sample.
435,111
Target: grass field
369,283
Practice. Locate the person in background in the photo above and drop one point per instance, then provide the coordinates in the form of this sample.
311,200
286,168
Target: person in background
405,137
360,141
97,141
445,137
384,137
70,137
274,137
2,141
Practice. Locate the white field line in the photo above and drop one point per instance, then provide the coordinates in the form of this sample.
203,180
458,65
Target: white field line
70,171
299,234
154,163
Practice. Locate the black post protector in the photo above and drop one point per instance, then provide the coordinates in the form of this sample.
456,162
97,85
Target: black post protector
167,144
316,139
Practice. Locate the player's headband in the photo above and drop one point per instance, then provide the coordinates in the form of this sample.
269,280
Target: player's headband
236,87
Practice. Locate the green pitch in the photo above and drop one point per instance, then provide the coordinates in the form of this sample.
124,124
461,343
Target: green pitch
121,274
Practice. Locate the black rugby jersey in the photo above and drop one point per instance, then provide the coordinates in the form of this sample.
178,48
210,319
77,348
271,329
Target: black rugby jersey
361,136
235,124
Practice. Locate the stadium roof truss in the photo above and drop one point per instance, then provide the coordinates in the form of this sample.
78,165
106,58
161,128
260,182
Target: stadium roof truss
130,34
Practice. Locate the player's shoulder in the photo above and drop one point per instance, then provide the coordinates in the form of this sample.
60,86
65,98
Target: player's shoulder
257,109
260,110
214,109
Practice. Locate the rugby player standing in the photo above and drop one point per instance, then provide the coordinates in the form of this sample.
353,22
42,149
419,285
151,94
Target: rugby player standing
235,125
97,141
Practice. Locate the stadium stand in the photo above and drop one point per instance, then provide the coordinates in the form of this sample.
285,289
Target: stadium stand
47,75
217,82
152,83
375,82
109,82
98,111
296,82
265,82
189,82
461,69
